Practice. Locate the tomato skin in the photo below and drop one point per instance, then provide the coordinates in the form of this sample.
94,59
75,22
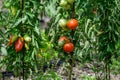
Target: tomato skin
26,46
12,39
19,44
62,22
61,43
62,40
13,10
27,38
67,7
63,3
72,24
68,47
70,1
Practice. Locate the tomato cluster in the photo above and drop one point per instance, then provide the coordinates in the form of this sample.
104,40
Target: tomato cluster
65,24
70,24
66,44
63,41
19,41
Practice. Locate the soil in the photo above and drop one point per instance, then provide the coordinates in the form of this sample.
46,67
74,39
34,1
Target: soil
80,72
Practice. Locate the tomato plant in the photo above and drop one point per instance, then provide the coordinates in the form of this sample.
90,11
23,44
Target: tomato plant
91,34
22,18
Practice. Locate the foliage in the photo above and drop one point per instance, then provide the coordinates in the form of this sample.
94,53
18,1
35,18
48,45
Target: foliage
48,76
97,37
21,18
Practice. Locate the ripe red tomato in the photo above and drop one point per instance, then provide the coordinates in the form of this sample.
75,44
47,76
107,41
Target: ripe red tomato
72,24
19,44
68,47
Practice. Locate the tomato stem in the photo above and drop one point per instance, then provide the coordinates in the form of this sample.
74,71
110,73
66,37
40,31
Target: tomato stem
72,35
23,50
73,10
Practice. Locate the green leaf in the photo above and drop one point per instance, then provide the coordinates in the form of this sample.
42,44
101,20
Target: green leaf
3,51
19,21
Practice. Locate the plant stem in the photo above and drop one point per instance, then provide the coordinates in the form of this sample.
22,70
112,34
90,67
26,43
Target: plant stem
71,68
106,71
73,10
23,51
72,35
109,72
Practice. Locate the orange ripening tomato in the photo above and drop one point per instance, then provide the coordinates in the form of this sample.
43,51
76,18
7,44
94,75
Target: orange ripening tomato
62,40
72,24
19,44
68,47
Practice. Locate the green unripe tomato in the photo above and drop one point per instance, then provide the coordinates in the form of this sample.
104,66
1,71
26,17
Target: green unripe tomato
27,38
26,46
14,10
63,3
70,1
67,7
62,22
14,38
61,43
